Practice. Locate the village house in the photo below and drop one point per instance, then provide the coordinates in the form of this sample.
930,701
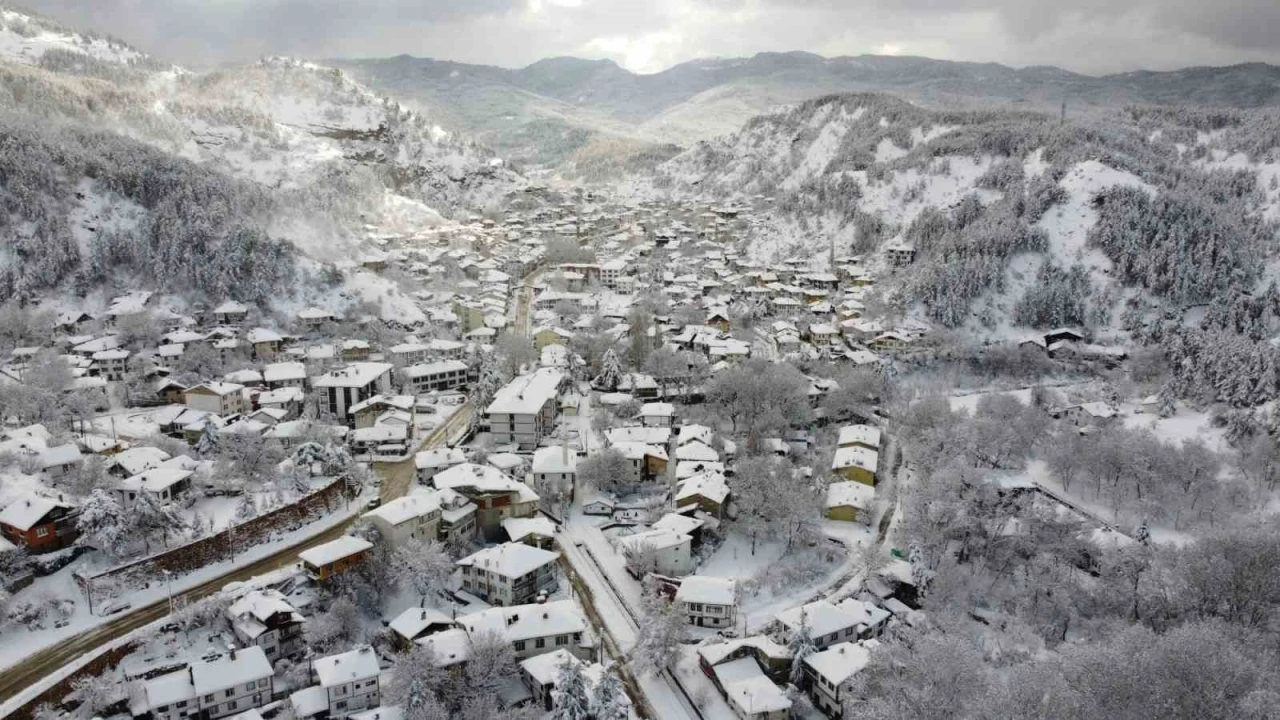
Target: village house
374,410
405,519
355,350
856,463
230,684
334,557
509,574
829,624
538,532
429,462
535,629
285,374
708,601
408,353
350,680
266,343
416,623
495,495
339,390
230,313
657,414
828,674
163,483
39,524
850,501
111,364
218,398
60,460
658,550
555,468
457,518
266,619
525,408
708,491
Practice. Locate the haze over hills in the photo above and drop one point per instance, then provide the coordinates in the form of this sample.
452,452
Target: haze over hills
571,106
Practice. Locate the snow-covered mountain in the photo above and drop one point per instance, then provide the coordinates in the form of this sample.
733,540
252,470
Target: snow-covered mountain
281,150
1017,218
575,107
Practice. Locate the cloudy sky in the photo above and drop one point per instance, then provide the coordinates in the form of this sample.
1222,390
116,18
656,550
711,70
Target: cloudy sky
1091,36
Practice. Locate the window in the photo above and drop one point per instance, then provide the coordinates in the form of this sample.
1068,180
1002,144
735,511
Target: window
230,692
180,704
342,704
162,708
562,640
249,687
540,643
42,531
231,705
262,683
208,698
848,632
519,645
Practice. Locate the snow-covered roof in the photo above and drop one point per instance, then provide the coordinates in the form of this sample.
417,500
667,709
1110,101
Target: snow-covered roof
385,712
230,306
25,513
749,689
335,550
655,538
439,367
678,523
638,434
355,375
821,617
717,652
545,669
707,590
413,621
710,485
234,668
850,494
218,388
283,371
868,435
139,459
404,509
638,450
155,480
512,560
309,702
855,456
358,664
482,478
657,409
697,450
450,647
554,460
520,528
439,458
525,622
164,690
691,433
526,394
68,454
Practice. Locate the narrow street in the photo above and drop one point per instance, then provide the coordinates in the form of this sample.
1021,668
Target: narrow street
397,479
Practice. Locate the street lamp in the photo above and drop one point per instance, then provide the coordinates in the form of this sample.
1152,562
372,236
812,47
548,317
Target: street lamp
168,581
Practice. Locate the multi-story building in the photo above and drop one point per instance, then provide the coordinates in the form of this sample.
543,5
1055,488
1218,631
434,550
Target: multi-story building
436,376
39,524
233,683
335,557
409,518
267,619
350,680
495,495
535,629
509,574
829,674
219,398
339,390
707,601
525,408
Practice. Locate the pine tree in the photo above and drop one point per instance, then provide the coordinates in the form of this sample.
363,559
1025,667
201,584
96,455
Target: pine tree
1167,401
610,372
102,523
571,702
246,508
209,440
1143,534
609,699
801,647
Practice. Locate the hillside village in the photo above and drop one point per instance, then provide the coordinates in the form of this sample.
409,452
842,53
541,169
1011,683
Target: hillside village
575,455
313,409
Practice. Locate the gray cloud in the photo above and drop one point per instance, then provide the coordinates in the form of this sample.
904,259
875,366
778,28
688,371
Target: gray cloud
1085,35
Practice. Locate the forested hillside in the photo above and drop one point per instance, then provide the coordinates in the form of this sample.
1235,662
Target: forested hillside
204,184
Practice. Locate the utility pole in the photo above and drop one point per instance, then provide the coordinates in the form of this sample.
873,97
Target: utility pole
168,580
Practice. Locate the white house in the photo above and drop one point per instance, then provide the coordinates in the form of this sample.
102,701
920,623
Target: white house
661,551
554,468
535,629
831,671
657,414
219,398
350,680
340,389
285,374
233,683
266,619
829,624
525,408
708,601
430,462
509,574
412,517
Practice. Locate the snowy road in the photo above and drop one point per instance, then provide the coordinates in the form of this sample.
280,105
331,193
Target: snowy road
664,697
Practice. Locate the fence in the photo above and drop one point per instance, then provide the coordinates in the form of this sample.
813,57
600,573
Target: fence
223,545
